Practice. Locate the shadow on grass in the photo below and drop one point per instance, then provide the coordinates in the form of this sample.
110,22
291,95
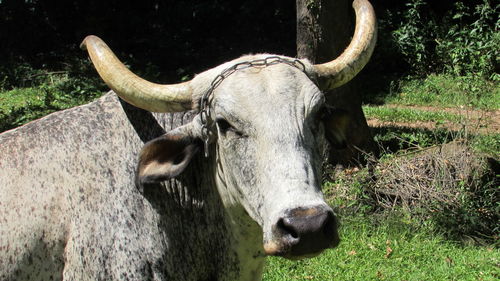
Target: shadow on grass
393,139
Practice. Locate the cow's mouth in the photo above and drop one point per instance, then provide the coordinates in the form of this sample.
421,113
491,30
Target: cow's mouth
272,249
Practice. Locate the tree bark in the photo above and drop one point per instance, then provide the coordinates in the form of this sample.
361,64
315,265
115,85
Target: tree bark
324,29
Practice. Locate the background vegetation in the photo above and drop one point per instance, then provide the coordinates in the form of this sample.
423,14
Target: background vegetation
428,209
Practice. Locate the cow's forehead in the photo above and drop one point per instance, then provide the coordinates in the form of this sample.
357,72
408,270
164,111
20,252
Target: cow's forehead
275,90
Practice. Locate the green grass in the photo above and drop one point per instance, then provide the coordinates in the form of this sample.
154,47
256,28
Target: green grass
489,144
391,114
393,139
414,255
447,91
396,138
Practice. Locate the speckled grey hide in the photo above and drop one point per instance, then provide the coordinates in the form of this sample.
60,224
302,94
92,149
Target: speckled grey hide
70,208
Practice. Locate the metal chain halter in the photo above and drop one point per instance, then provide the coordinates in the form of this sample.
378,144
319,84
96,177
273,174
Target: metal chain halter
205,99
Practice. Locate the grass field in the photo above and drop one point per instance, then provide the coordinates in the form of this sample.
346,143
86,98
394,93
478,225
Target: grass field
390,250
447,91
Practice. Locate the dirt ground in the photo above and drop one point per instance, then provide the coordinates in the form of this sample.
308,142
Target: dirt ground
474,121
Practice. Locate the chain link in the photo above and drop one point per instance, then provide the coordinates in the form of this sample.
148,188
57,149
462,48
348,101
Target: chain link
205,99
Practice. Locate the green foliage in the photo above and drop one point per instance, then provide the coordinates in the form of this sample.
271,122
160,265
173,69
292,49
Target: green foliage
489,144
463,42
465,47
27,93
414,37
21,106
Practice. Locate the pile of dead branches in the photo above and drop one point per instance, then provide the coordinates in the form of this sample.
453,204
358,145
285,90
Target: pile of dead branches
439,175
450,184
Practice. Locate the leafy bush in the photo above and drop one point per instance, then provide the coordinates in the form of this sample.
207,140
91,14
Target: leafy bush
414,37
20,75
466,47
464,41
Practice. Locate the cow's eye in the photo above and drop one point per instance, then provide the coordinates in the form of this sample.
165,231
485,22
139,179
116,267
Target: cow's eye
226,128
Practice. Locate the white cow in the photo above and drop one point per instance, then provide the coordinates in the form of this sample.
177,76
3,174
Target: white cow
108,191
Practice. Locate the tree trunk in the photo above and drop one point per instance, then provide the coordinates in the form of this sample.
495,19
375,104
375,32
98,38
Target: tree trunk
324,29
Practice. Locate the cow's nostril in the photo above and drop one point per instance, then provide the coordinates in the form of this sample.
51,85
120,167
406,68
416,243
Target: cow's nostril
287,228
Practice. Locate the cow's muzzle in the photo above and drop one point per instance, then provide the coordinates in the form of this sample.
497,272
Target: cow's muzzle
303,232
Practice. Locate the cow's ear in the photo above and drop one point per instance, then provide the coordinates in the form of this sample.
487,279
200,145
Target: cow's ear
166,157
336,123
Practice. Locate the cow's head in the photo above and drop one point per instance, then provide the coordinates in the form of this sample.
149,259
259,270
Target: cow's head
265,124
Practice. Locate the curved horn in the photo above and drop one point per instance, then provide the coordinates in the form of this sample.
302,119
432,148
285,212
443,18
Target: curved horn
336,73
132,88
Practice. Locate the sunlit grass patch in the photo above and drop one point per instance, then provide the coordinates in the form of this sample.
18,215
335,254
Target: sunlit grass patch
393,114
447,91
28,93
489,144
390,250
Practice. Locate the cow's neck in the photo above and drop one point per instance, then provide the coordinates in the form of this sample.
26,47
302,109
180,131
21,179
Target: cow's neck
246,235
246,240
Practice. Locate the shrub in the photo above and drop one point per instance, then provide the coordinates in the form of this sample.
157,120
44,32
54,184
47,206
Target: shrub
465,47
414,37
464,41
